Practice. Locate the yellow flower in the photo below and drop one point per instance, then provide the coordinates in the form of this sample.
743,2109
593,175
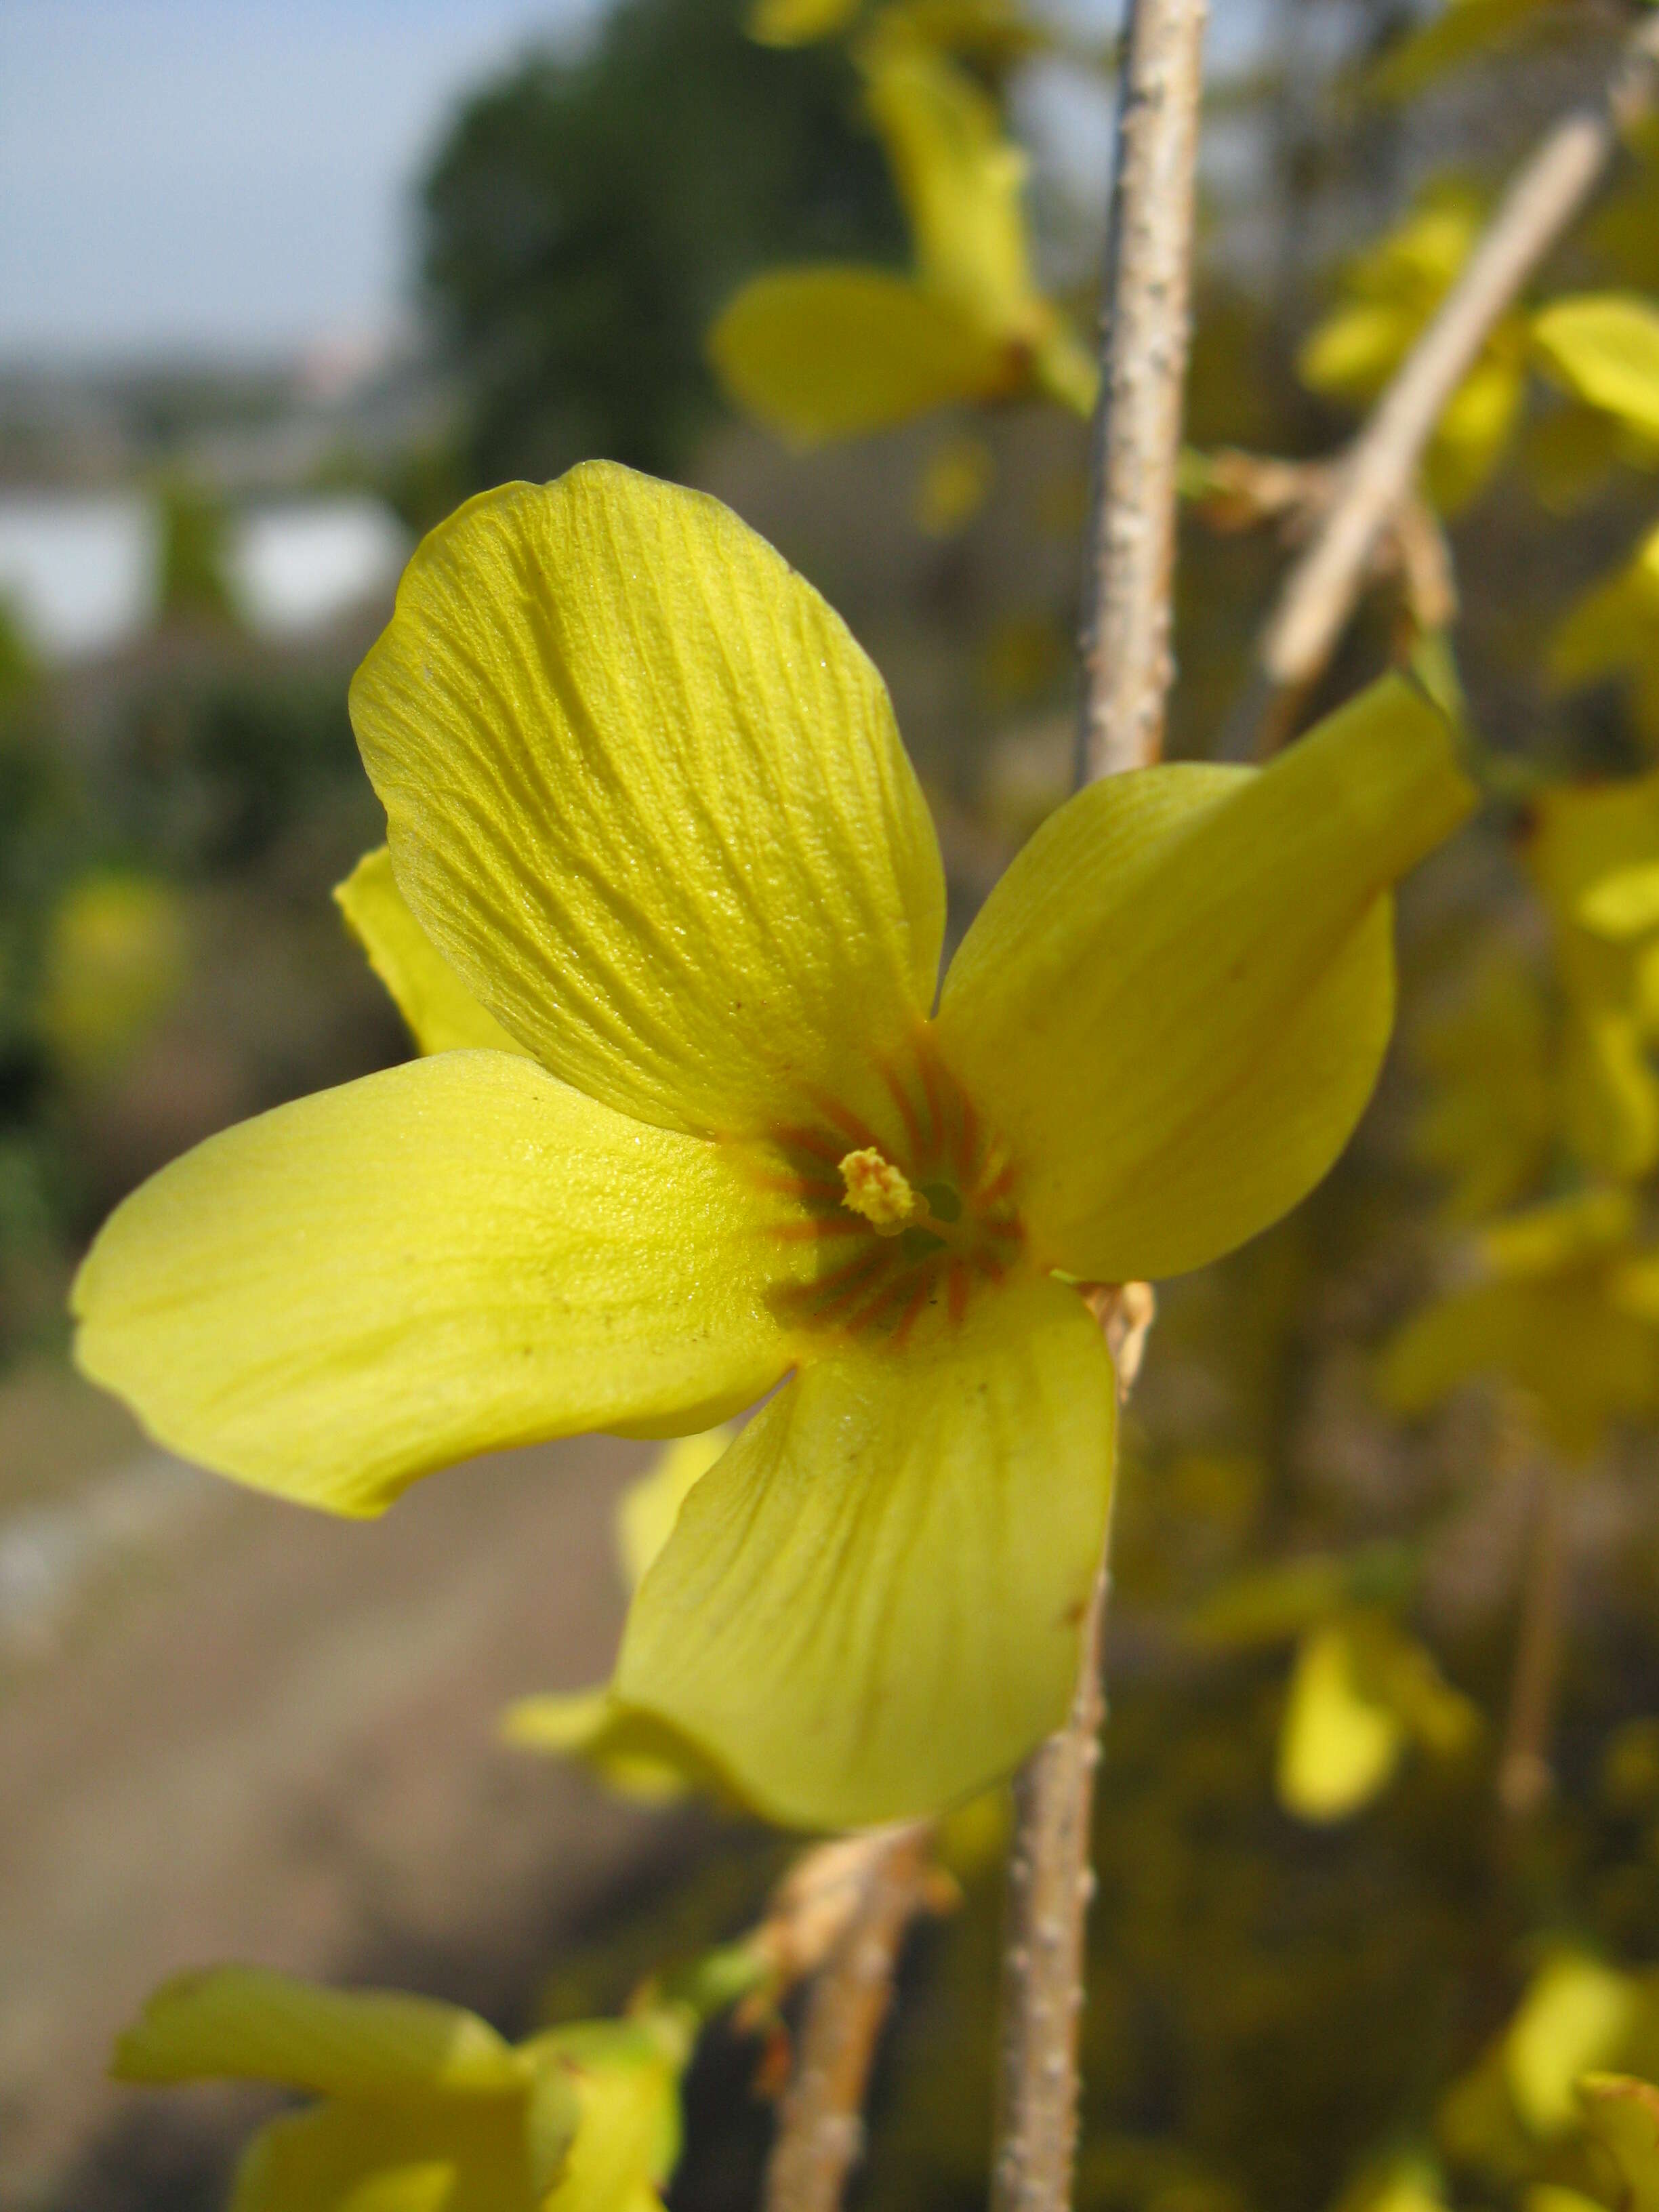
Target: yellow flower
1590,851
1604,346
1490,1122
1622,2114
1564,1307
836,350
647,801
1362,1693
115,958
1613,630
423,2107
1393,290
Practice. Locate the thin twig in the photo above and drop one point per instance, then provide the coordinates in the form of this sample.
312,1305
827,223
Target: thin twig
1126,668
1145,329
868,1889
1050,1882
1525,1776
1381,467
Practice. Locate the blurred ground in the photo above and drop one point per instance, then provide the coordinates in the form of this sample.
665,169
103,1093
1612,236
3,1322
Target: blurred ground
232,1728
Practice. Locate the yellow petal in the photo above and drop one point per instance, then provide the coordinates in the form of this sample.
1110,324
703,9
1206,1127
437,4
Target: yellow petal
1605,347
646,794
1576,2015
440,2157
1623,2115
442,1014
1579,1359
1562,1233
869,1609
1624,903
1472,433
1580,836
452,1256
838,352
628,2138
1354,351
1339,1743
961,181
635,1755
650,1507
244,2023
1174,1003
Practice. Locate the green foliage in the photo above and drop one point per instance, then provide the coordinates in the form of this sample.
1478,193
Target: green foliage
576,257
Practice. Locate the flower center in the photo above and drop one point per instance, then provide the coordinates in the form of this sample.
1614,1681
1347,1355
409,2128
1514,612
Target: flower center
904,1223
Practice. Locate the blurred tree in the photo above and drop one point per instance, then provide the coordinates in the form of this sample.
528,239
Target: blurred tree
194,579
576,260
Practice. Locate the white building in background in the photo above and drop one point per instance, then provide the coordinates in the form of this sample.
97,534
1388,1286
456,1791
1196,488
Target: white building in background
80,571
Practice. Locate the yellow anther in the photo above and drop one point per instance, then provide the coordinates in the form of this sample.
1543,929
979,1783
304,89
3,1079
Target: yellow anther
878,1190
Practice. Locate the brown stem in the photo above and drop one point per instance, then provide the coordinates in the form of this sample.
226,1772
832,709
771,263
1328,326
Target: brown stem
1381,467
1525,1778
1126,670
1144,329
877,1884
1050,1882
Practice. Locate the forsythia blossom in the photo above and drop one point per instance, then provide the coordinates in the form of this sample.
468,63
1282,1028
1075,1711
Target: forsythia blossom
421,2103
650,820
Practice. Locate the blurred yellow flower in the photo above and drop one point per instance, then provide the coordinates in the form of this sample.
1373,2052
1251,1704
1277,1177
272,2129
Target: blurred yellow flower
1391,292
954,484
1563,1307
115,959
1362,1692
1587,845
1493,1111
647,799
835,350
1613,630
420,2105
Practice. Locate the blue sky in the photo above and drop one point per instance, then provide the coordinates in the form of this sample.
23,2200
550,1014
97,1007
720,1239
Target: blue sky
235,177
224,175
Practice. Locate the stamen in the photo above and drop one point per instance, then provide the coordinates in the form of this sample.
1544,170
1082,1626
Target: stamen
879,1191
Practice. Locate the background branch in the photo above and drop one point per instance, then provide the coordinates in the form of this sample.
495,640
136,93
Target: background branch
852,1901
1379,473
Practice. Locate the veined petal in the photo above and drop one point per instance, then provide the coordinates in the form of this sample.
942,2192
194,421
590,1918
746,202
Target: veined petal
870,1606
246,2023
1174,1003
442,1014
646,794
837,352
443,1259
438,2157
